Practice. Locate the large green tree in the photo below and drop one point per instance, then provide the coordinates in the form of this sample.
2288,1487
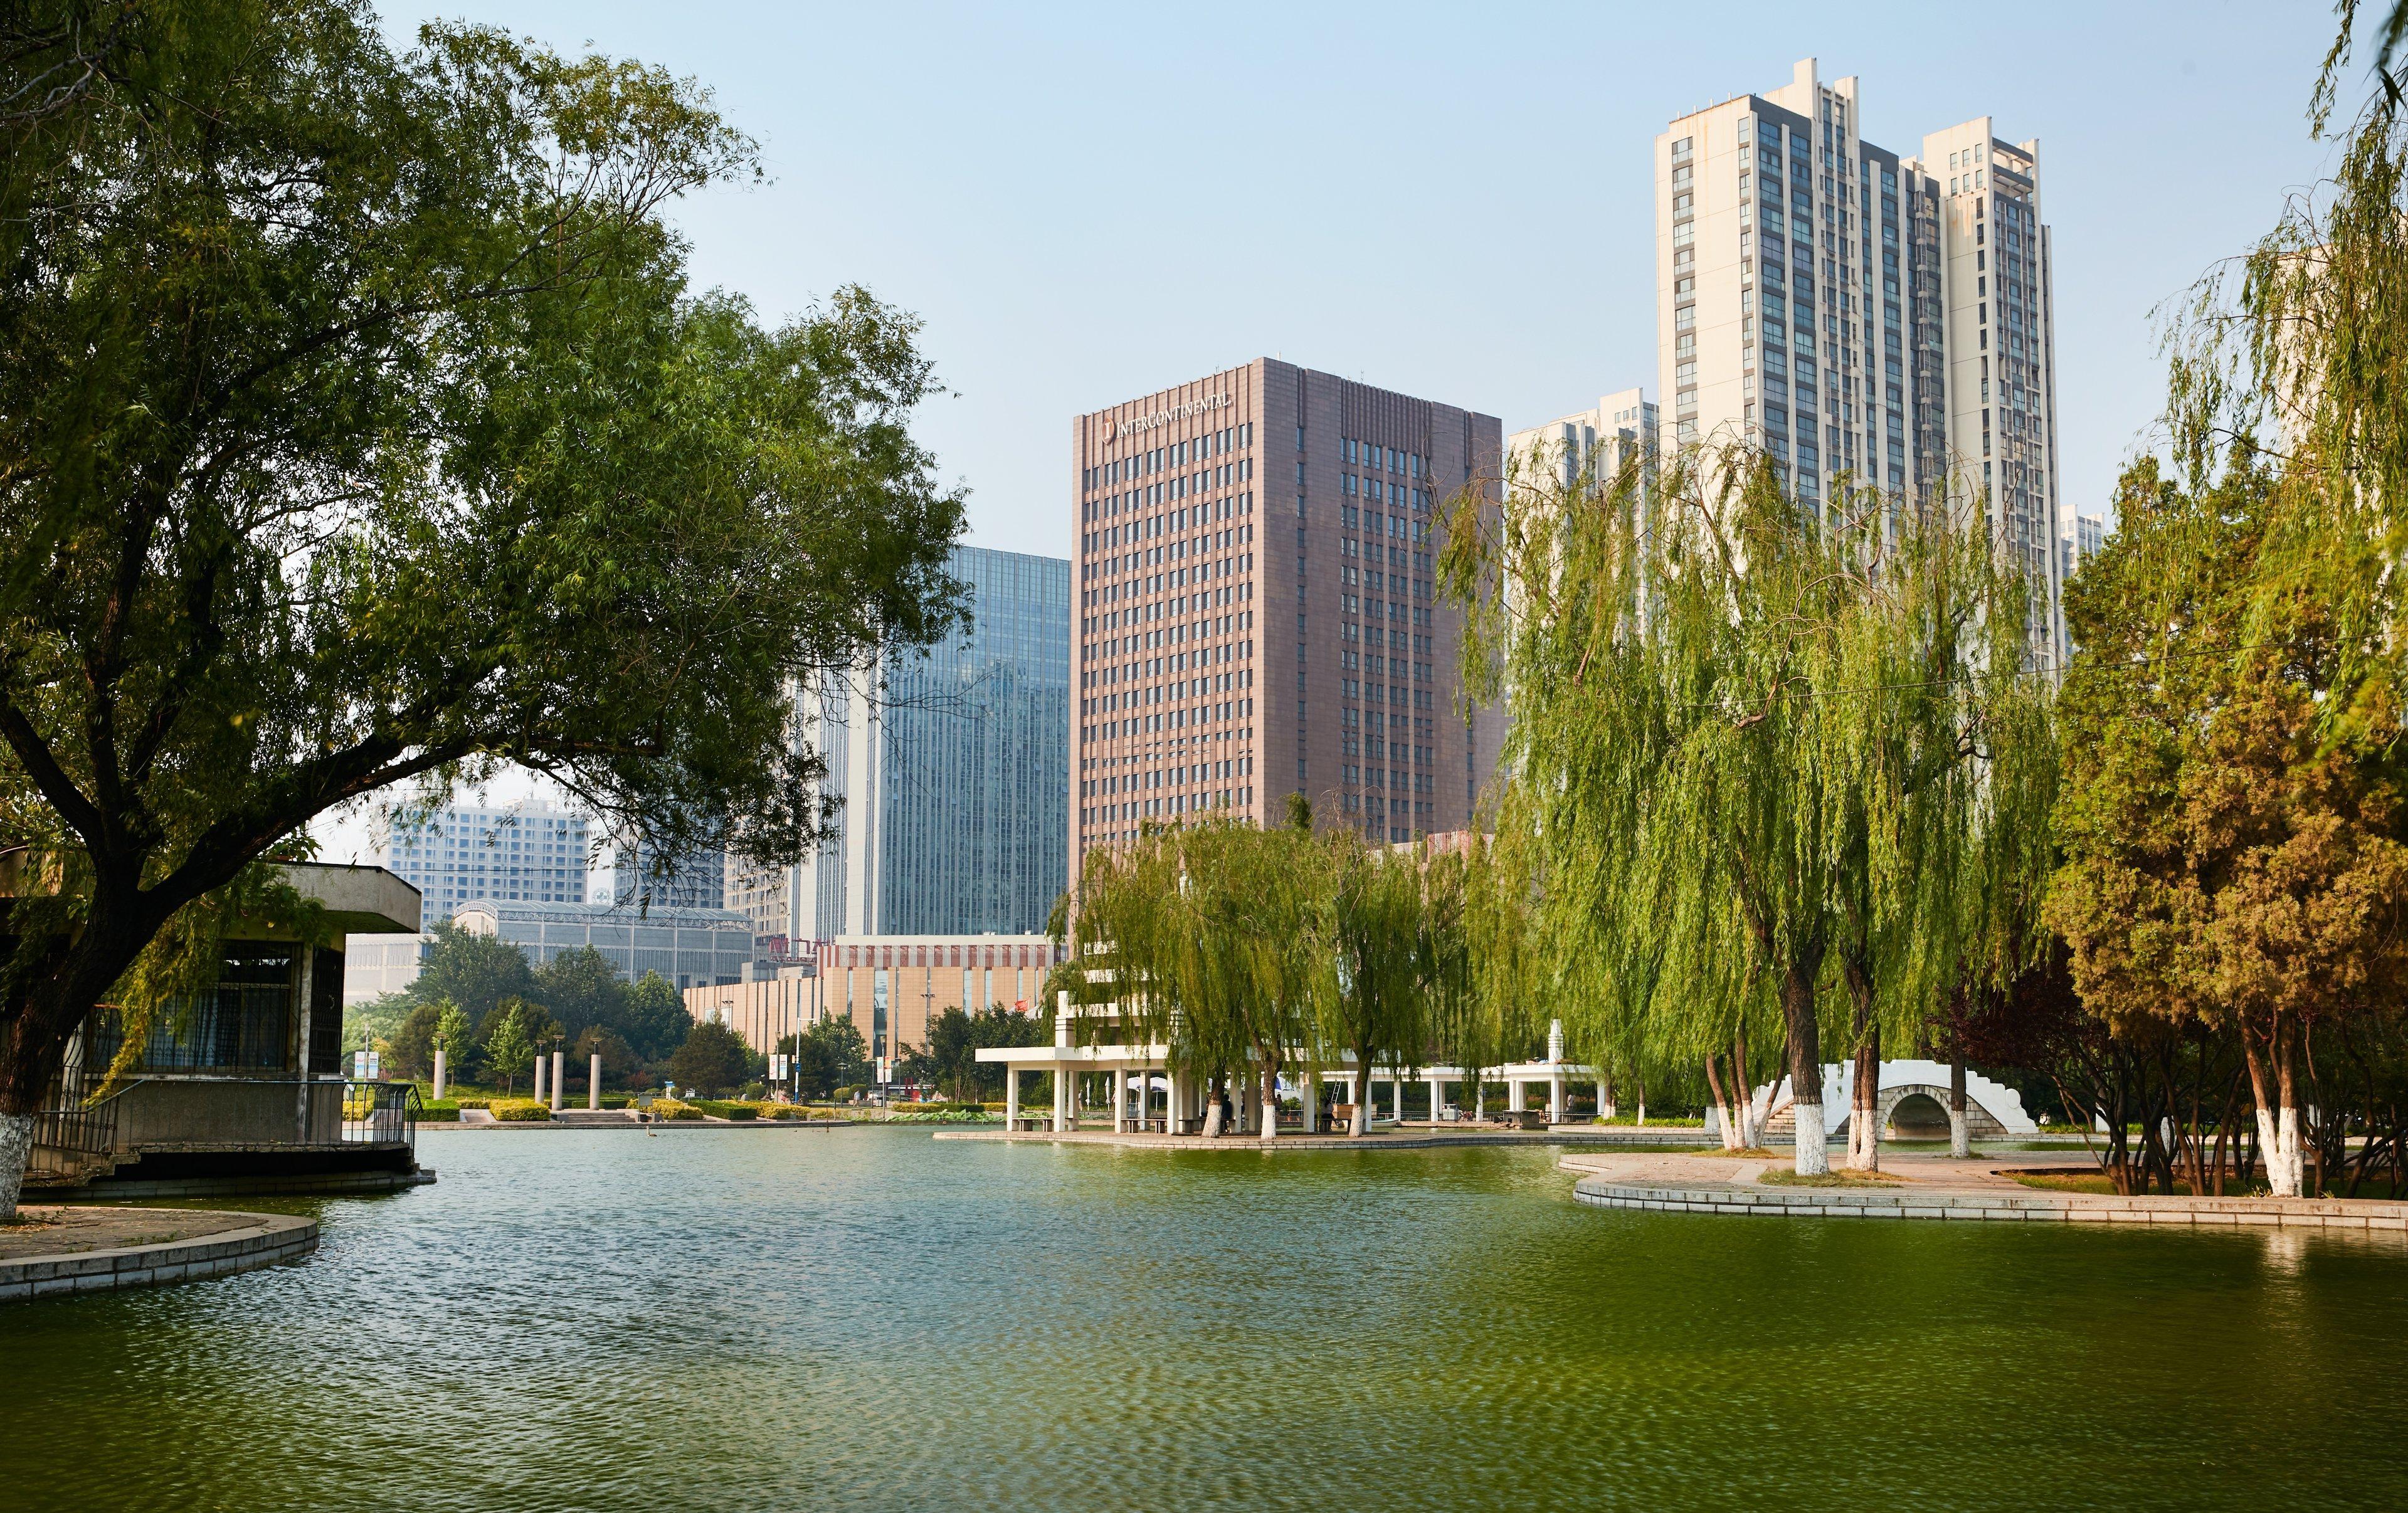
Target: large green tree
829,1055
1211,939
1395,922
471,970
2235,860
360,435
714,1060
1759,744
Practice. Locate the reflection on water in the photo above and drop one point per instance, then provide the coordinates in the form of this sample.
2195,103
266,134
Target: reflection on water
780,1319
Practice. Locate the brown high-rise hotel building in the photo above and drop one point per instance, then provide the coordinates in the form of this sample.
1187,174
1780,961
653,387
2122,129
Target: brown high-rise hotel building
1256,610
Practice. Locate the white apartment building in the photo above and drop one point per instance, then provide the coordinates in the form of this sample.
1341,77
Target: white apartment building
1864,315
516,854
1621,428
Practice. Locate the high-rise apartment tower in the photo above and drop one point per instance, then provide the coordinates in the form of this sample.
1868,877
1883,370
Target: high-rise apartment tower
518,853
1257,613
1862,315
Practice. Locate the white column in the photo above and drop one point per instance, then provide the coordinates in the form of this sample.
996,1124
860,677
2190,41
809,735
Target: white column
538,1078
557,1059
1555,1098
594,1084
1120,1101
1397,1098
1438,1097
1312,1105
1011,1096
442,1073
1512,1094
1554,1042
1061,1097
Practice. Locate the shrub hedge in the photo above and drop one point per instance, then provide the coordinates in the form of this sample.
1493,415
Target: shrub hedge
673,1108
520,1111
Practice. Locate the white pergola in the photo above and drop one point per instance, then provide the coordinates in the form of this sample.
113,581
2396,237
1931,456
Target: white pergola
1146,1070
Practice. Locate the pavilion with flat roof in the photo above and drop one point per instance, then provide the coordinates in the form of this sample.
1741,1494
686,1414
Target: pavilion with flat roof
1149,1095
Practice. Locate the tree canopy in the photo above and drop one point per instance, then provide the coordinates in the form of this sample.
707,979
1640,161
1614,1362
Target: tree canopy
1768,756
360,434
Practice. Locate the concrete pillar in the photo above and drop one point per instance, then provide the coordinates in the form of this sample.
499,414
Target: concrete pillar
1438,1097
1011,1096
1311,1091
557,1059
1479,1097
1397,1099
1061,1097
1555,1099
1512,1094
1554,1041
442,1073
594,1084
1120,1101
538,1078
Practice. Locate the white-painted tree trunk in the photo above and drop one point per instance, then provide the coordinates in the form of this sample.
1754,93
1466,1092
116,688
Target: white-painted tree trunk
1360,1124
1812,1160
15,1149
1270,1104
1213,1109
1960,1126
2278,1142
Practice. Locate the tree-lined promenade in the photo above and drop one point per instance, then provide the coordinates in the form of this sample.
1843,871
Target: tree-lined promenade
362,435
1792,779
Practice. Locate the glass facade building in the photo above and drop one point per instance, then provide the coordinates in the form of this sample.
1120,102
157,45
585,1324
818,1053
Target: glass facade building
954,772
690,947
977,747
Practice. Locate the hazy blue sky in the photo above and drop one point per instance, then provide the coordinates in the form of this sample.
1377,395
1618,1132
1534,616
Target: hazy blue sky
1085,203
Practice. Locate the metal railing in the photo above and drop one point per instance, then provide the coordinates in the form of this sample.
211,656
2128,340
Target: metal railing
72,1130
383,1113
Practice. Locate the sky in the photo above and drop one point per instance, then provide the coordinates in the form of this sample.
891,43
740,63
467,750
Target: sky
1085,203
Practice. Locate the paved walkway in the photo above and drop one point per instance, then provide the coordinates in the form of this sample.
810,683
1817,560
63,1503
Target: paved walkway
1938,1187
63,1248
1400,1137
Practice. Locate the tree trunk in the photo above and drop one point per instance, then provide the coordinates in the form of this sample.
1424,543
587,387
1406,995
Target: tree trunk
1960,1133
1731,1134
1805,1070
1864,1114
1270,1101
15,1149
1605,1097
1742,1093
1361,1124
2278,1110
1211,1108
1643,1100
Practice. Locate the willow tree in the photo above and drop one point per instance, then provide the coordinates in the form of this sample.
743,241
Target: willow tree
1750,752
360,435
1210,938
1395,921
1940,725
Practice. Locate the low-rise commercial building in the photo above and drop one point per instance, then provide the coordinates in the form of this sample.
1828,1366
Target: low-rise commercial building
890,986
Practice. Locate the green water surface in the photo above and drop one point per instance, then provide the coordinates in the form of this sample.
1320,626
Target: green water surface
870,1319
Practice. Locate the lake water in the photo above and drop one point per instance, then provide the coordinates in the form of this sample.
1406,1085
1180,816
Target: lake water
870,1319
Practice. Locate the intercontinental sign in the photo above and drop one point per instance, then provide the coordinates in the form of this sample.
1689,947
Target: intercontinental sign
1188,411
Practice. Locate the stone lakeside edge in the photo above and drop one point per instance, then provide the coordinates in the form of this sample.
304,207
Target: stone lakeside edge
2069,1207
275,1240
